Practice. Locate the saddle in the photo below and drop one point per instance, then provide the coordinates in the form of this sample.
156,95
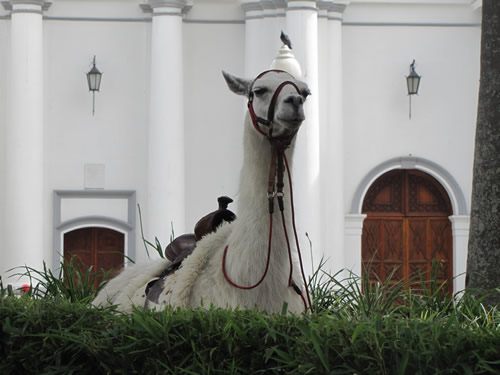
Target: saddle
184,245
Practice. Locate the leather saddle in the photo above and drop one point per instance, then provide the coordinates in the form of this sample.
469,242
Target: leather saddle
182,246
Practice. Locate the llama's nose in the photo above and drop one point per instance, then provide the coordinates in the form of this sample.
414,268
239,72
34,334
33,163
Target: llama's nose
295,100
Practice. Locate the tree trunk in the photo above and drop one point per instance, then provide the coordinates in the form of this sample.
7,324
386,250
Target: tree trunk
483,262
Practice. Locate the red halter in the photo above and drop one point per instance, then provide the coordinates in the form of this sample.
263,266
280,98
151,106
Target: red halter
256,120
278,165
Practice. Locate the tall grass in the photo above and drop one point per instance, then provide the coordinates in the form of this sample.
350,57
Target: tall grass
57,337
358,327
71,281
350,297
357,298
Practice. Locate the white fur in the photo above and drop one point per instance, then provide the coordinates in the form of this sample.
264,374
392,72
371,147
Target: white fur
122,290
200,281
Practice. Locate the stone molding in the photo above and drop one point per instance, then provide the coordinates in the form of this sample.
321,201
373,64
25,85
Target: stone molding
62,226
444,177
476,4
333,6
353,224
183,5
329,6
298,5
260,5
9,5
460,225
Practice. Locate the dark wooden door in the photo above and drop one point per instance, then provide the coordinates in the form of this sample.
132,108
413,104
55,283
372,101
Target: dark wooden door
101,248
407,233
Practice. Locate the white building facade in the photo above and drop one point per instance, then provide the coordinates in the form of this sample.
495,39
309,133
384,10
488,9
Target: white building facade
167,133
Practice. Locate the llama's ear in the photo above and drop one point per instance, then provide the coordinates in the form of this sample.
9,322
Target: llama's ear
237,85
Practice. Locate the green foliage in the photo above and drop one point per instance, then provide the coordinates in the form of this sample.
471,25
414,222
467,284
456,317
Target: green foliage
358,327
353,298
72,281
5,291
58,337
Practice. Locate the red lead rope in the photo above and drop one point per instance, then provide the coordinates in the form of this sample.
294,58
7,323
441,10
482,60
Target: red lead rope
295,233
307,304
224,271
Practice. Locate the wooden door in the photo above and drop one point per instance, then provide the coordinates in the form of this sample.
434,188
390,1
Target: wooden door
407,233
101,248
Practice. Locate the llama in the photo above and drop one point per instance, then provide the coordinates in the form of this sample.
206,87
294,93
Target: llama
240,264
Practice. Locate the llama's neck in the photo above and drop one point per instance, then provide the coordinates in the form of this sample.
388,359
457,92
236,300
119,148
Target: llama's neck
249,239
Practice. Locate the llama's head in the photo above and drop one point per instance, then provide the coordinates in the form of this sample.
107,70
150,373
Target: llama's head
275,102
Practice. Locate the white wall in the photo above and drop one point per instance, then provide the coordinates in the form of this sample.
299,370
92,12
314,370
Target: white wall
377,52
213,115
377,126
117,135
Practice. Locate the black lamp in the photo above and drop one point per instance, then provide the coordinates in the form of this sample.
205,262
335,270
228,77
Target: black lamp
94,82
412,82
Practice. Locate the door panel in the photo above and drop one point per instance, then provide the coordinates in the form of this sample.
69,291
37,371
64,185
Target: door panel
407,229
101,248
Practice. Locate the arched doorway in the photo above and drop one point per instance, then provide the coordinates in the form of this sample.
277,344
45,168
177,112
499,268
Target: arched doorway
101,248
407,230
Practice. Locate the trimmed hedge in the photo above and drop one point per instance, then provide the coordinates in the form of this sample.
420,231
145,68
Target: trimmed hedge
58,337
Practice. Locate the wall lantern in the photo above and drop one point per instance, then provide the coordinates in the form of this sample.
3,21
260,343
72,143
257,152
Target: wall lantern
412,82
94,81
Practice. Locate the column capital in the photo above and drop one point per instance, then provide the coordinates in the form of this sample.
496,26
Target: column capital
334,8
460,225
179,6
26,6
302,5
353,224
259,5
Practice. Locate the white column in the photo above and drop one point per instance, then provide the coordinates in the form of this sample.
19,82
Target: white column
302,28
166,190
253,27
264,20
24,181
352,242
460,229
273,23
332,137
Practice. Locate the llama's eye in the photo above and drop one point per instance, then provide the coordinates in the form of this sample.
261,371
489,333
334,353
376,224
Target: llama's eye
305,93
259,91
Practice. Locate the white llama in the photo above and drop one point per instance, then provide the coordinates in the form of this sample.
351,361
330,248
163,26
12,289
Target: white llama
227,264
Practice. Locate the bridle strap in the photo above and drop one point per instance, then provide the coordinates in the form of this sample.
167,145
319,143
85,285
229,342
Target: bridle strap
256,120
272,104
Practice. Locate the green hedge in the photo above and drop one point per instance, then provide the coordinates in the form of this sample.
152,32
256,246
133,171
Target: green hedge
58,337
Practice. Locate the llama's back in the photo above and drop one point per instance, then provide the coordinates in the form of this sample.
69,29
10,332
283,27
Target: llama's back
128,289
123,289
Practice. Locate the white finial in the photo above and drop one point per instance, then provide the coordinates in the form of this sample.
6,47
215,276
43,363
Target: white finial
285,60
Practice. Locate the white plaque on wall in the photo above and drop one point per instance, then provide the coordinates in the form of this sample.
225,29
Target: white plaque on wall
94,176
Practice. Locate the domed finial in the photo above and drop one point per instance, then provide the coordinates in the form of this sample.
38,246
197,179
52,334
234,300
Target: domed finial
285,60
286,40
